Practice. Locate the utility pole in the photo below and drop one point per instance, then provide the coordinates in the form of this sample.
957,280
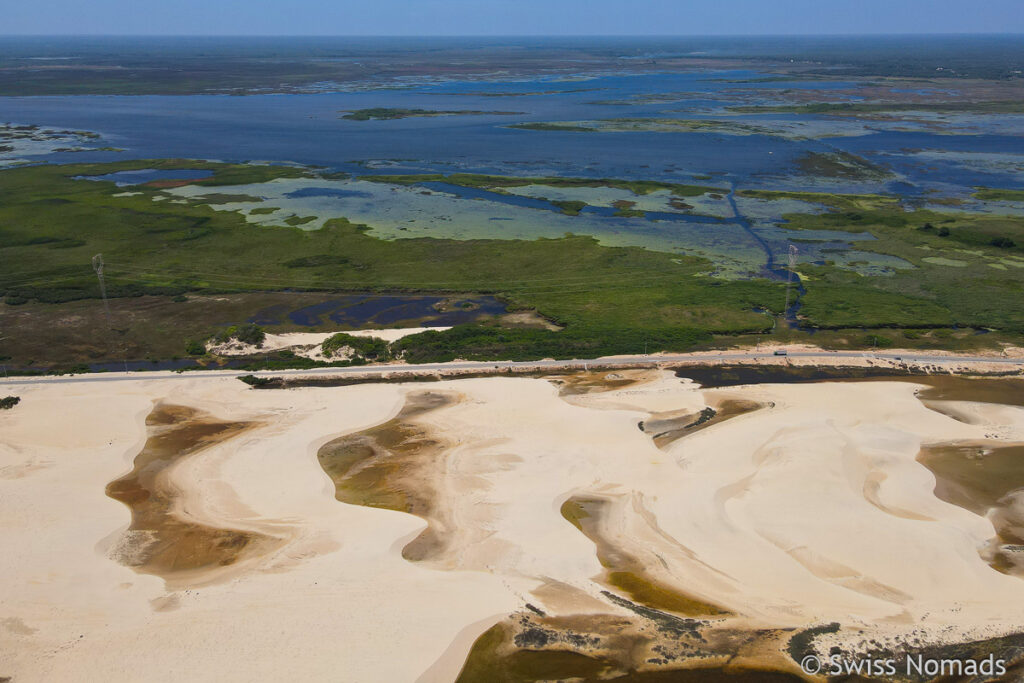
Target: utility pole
789,279
97,265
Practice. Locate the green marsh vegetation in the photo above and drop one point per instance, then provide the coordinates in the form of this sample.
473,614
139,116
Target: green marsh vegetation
855,108
570,207
389,113
247,334
839,165
647,124
609,299
984,293
987,194
493,182
624,209
368,348
554,126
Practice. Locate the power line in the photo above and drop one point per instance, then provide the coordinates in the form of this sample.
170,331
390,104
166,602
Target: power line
97,265
789,278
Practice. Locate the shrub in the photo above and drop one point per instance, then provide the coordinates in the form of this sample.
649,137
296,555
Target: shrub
247,334
483,342
369,348
877,340
254,381
195,348
1003,242
9,402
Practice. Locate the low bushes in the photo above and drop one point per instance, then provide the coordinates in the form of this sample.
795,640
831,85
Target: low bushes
369,348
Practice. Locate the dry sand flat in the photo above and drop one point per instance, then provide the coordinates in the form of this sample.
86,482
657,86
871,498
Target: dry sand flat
808,508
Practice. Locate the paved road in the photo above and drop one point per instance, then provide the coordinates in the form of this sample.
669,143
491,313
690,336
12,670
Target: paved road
488,365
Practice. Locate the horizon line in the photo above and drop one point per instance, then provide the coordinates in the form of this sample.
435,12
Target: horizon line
497,35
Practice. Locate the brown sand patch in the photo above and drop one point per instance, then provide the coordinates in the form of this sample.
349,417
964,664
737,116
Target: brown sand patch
626,572
17,626
666,428
159,541
839,574
166,603
1005,390
986,478
600,381
646,646
389,466
529,319
167,184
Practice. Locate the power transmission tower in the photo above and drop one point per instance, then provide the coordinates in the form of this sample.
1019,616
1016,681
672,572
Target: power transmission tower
97,265
789,279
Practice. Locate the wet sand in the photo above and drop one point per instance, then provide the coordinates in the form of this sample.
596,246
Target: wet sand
391,466
987,479
626,572
665,429
159,541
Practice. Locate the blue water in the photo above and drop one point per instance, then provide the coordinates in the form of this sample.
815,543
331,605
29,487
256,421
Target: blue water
148,175
327,192
307,129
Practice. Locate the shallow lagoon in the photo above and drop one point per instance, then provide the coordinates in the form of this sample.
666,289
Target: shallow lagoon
307,129
735,245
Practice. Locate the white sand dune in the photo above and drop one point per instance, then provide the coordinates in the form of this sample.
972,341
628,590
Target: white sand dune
307,344
812,510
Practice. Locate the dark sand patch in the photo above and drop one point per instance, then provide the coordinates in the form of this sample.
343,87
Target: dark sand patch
665,430
943,386
1004,390
598,381
986,478
388,466
626,572
647,646
158,541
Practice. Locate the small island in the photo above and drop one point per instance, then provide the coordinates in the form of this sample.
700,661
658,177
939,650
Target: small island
388,113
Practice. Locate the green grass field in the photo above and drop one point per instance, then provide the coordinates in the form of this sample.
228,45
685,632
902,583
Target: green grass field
968,274
611,299
968,268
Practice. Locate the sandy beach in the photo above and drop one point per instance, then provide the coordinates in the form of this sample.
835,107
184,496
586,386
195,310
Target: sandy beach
807,506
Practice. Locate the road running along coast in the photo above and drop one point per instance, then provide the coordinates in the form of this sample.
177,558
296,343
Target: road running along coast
489,366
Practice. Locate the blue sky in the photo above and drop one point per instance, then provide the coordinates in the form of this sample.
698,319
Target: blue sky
511,17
